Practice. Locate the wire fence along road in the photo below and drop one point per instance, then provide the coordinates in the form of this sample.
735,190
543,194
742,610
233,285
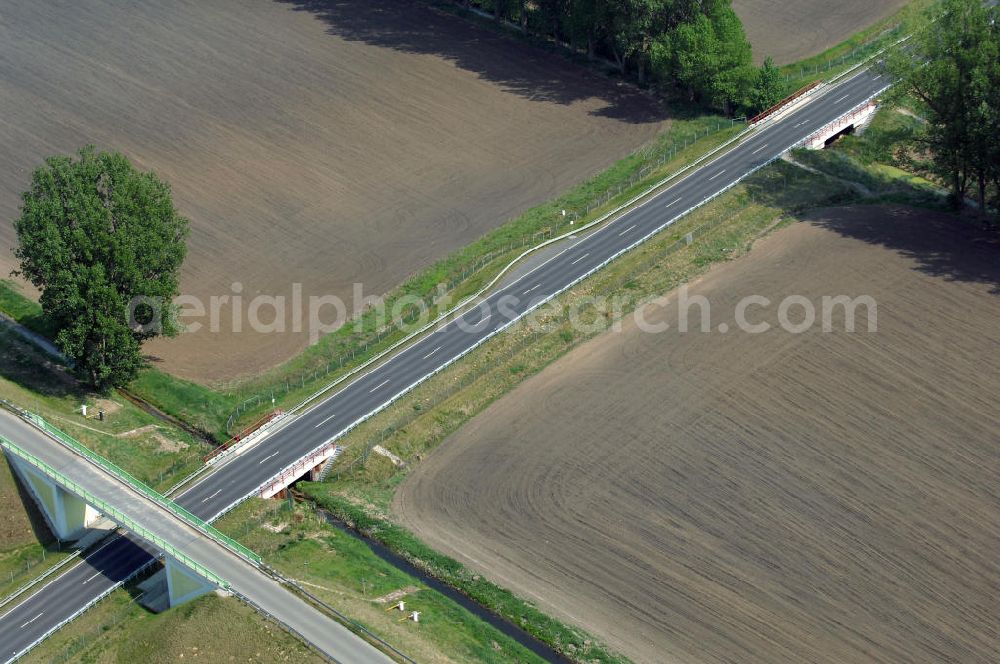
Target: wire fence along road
370,392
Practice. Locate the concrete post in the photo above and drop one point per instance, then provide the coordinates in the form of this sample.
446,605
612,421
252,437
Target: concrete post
67,515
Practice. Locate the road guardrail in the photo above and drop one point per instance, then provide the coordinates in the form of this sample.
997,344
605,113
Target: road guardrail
206,528
111,512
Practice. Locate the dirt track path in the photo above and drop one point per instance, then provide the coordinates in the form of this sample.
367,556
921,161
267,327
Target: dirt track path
758,498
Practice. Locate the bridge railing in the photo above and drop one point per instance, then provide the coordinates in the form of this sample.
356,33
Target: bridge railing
111,512
142,487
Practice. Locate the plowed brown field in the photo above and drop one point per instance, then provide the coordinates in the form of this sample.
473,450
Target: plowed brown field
790,31
324,143
708,497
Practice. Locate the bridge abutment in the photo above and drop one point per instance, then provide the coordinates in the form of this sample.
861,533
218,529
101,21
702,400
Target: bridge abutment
70,518
851,121
183,583
67,515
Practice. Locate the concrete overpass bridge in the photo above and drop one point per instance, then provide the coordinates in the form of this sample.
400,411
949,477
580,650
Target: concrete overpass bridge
74,487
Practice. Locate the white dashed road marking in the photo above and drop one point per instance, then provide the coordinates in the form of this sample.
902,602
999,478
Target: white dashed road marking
325,421
32,620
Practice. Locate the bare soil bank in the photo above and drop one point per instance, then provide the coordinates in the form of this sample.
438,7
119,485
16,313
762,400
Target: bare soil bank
324,143
709,497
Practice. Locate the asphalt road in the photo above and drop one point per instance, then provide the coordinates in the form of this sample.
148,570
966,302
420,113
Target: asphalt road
235,480
243,577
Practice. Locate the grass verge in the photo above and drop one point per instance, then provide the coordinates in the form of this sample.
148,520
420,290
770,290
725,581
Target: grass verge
344,572
853,50
148,448
208,629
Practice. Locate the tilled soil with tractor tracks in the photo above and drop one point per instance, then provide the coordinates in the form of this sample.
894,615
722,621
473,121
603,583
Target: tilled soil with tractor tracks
715,497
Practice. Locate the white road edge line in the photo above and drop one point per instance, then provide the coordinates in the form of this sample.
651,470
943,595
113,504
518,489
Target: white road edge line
378,386
580,258
325,421
437,349
717,175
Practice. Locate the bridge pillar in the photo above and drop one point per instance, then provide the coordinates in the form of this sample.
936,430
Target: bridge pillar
67,515
183,583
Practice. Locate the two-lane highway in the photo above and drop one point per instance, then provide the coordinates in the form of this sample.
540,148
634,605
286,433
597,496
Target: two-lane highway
242,476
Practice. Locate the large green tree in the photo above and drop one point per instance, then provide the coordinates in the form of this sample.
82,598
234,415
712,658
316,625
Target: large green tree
695,46
950,66
708,56
103,242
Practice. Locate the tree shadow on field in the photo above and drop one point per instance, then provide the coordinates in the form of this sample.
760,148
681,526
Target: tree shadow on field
519,68
25,365
942,244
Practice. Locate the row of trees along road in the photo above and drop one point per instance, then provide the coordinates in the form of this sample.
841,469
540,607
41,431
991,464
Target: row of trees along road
951,67
694,47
